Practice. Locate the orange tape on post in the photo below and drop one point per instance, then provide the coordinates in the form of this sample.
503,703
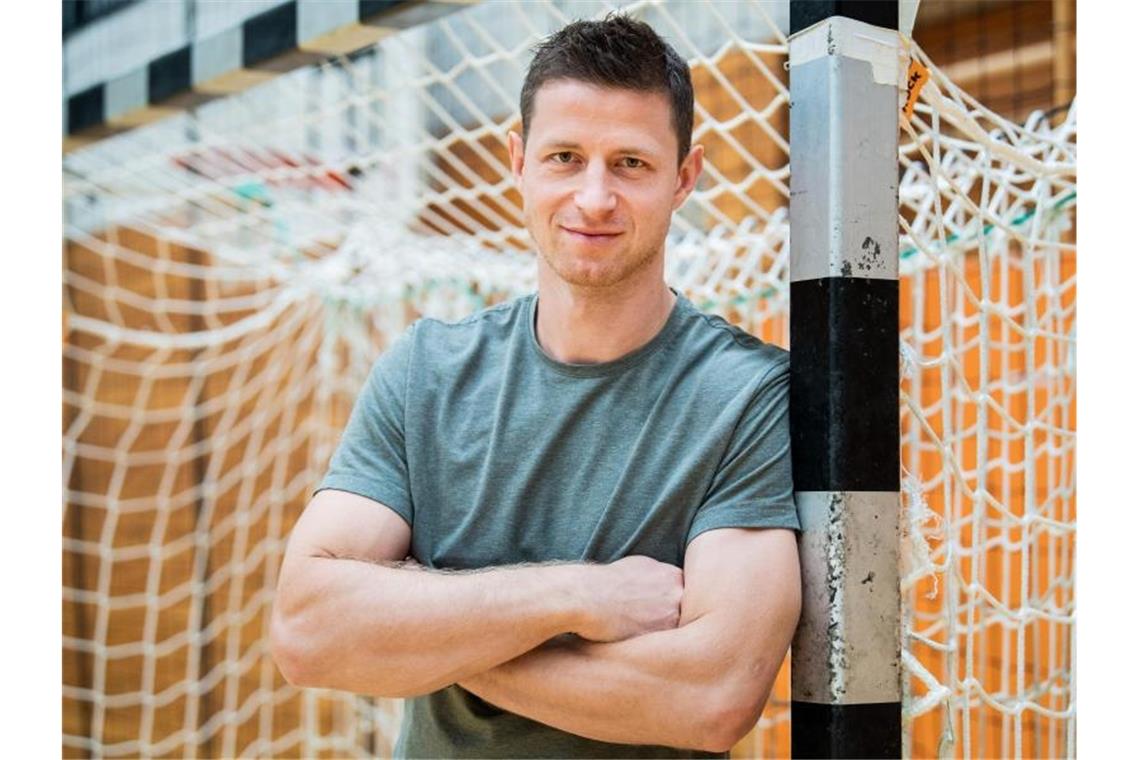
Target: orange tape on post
916,77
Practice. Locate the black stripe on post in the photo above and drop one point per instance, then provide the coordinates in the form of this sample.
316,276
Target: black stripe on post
85,109
804,13
269,34
844,384
367,8
846,731
168,75
403,14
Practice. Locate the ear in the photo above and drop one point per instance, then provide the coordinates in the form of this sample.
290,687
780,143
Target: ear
688,174
515,149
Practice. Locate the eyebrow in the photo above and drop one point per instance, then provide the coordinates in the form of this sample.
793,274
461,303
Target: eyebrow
570,145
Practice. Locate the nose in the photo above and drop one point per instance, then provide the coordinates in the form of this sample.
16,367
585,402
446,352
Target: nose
594,196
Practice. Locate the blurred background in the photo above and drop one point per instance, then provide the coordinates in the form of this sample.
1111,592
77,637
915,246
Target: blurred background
259,196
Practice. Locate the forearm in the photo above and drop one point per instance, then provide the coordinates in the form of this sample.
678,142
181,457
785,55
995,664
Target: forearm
675,688
393,631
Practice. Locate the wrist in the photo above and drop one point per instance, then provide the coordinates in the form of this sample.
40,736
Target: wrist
577,607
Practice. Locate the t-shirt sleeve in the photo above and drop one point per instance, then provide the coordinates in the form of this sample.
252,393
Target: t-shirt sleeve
371,459
752,487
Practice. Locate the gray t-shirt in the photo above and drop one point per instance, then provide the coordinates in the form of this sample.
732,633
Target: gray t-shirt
495,454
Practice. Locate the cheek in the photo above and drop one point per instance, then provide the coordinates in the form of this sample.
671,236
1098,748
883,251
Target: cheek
536,197
546,204
653,207
540,208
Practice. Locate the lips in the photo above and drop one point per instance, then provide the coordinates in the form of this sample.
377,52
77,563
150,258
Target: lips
590,234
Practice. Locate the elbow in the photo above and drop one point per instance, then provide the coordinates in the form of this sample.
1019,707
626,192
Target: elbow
285,650
738,723
290,650
307,660
729,716
727,729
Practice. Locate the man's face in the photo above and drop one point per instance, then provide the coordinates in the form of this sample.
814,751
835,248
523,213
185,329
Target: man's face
599,180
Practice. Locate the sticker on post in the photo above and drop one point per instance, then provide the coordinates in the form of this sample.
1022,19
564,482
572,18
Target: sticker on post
916,77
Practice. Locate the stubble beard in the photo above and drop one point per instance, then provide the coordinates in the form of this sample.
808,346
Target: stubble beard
612,273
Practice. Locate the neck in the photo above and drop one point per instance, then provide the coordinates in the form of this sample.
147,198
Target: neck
577,325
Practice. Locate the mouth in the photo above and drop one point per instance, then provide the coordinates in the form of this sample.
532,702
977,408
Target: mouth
590,236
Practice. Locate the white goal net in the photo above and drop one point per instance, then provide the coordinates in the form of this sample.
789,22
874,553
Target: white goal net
231,274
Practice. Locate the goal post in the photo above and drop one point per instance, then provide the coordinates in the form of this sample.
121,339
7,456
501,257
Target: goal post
844,316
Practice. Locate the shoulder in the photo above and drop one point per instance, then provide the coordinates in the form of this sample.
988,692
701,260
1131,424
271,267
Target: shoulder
496,317
442,342
713,341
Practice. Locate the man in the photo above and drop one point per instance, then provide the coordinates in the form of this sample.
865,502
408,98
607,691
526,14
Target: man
550,464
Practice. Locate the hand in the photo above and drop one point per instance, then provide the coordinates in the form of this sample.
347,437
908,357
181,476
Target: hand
632,596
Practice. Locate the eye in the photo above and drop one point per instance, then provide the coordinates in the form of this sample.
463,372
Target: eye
630,162
562,157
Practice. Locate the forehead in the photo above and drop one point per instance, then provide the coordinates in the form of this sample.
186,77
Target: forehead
567,110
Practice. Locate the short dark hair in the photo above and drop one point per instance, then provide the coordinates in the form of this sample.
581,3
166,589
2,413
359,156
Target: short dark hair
620,52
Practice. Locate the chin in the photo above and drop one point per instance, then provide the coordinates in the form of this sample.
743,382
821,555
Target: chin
594,272
588,274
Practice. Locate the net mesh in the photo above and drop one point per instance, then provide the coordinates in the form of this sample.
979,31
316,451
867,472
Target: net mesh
230,275
988,353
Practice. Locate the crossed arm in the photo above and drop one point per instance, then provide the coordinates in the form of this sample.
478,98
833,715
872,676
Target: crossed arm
701,685
699,682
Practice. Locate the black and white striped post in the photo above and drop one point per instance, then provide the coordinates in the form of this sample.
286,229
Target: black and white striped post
846,688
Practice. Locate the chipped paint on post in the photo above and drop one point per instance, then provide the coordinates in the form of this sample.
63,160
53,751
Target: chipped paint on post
846,650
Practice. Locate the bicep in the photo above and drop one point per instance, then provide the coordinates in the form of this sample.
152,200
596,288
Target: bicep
335,528
342,524
739,608
746,583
